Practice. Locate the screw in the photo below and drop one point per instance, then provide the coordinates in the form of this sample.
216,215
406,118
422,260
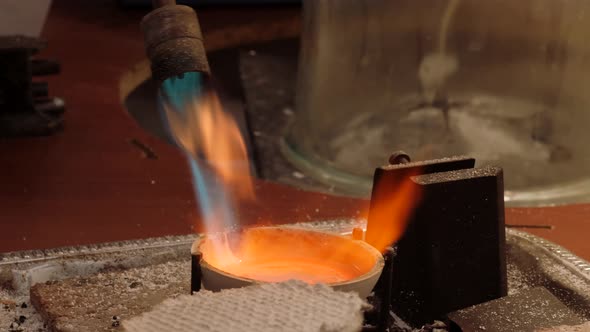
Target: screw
399,157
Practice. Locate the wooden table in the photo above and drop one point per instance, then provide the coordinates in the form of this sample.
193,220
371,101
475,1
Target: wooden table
89,184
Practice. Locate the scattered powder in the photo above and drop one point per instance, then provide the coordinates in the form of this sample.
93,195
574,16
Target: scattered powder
517,279
18,315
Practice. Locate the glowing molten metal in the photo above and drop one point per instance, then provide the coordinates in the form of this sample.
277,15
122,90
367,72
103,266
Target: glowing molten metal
276,254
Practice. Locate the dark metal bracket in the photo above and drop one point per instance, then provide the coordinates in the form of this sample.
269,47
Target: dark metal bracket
452,254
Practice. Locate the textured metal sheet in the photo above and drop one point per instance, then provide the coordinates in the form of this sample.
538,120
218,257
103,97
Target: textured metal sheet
41,256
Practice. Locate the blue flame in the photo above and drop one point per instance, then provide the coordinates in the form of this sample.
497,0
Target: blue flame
180,91
178,94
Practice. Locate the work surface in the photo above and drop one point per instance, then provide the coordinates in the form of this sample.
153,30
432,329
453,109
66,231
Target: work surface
91,184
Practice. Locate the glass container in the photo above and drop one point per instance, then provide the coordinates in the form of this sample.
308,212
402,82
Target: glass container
504,81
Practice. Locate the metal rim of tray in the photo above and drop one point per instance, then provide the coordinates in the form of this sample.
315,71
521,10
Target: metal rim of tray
574,262
342,226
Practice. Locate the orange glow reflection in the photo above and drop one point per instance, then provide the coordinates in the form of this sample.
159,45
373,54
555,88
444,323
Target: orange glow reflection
391,206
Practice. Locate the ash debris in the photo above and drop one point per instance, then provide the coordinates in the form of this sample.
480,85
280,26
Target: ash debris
17,315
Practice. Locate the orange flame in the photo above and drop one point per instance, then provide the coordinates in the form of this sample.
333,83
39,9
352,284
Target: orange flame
222,144
392,203
203,129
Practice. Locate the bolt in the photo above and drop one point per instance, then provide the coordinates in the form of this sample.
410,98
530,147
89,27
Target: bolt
399,157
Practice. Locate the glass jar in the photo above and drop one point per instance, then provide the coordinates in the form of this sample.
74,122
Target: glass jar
504,81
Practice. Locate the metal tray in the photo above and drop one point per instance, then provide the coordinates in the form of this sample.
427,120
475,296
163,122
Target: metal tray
532,262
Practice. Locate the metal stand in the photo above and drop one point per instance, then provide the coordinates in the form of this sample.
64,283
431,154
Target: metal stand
452,254
25,108
196,273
